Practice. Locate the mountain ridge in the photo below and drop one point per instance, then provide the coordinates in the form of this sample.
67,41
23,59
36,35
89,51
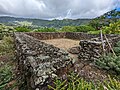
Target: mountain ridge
44,23
10,20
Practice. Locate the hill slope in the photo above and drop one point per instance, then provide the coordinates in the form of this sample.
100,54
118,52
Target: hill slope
44,23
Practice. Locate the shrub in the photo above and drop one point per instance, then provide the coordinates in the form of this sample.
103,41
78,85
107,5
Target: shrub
5,76
109,62
45,30
75,83
6,45
23,29
84,28
113,28
117,48
5,30
68,29
94,32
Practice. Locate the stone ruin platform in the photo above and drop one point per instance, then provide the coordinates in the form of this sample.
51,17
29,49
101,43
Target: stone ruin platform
41,57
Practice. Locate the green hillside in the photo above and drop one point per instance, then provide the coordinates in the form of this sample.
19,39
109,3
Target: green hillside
44,23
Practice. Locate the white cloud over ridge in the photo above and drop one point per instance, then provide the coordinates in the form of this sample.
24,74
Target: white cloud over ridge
48,9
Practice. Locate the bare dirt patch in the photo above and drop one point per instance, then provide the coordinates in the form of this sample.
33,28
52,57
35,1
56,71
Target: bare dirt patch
63,43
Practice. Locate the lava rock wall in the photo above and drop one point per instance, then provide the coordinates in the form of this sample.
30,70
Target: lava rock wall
91,50
38,62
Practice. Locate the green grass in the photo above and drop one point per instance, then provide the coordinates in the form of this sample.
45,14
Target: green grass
7,64
6,45
5,76
75,83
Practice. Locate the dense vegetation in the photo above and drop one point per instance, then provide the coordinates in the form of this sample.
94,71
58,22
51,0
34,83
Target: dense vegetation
112,28
110,62
7,64
75,83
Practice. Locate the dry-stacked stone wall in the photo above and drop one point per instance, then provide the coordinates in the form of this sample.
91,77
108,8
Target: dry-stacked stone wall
91,50
38,62
69,35
47,35
57,35
80,36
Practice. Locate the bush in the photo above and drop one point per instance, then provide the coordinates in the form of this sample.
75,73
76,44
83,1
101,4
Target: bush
84,28
75,83
23,29
68,29
5,30
45,30
94,32
113,28
110,62
117,48
5,76
6,45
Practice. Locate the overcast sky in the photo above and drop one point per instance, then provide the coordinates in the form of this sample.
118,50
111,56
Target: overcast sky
50,9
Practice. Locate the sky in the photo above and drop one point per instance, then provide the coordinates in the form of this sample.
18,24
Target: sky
57,9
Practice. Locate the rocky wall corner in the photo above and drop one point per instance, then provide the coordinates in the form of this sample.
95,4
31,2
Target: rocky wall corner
38,62
91,50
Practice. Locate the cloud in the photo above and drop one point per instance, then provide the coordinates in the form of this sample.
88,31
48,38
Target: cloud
48,9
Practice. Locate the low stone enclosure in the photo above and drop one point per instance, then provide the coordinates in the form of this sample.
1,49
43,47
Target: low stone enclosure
40,62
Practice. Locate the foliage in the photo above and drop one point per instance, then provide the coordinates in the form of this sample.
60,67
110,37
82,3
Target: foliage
94,32
24,23
68,29
5,30
5,76
117,48
104,20
6,45
45,30
95,23
23,29
6,65
75,83
114,14
84,28
113,28
93,28
110,62
111,84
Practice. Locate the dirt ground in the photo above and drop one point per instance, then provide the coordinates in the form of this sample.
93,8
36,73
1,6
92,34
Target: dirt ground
63,43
